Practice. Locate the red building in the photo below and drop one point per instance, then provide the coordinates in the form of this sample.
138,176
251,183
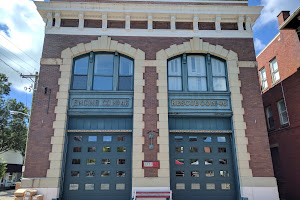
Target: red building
279,72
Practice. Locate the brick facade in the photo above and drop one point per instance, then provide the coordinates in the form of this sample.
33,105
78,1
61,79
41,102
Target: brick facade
54,44
150,119
42,117
284,139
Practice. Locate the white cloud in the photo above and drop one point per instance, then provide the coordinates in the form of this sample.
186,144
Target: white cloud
258,44
272,8
26,31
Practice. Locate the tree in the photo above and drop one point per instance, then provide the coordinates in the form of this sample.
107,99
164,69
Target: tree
13,128
2,167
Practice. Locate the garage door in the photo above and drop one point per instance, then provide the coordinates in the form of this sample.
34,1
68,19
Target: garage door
202,167
98,166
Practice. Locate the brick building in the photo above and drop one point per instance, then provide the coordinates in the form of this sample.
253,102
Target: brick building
278,68
141,97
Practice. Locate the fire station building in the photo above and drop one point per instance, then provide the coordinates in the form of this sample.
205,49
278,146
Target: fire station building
140,99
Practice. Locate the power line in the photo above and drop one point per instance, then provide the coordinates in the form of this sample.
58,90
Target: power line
19,57
13,68
19,49
15,62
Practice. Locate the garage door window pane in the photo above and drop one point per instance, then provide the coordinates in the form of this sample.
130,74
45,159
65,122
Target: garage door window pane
91,161
195,174
208,161
179,161
194,161
74,187
76,161
107,138
90,173
120,173
89,186
105,161
77,138
92,138
91,149
77,149
75,173
223,161
224,173
105,173
179,149
180,173
106,149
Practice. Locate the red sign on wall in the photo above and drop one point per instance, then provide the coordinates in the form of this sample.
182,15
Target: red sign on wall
147,164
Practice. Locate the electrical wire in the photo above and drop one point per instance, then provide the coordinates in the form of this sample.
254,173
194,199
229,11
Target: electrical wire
14,69
19,49
14,62
19,58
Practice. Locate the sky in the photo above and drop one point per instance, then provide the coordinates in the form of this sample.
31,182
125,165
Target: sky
22,34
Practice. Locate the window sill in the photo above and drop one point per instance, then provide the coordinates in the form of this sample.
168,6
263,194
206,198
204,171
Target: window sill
197,93
99,92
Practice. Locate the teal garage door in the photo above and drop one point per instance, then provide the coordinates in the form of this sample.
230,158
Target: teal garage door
202,166
98,166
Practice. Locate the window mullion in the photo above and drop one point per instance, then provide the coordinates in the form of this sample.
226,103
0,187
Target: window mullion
209,73
184,71
116,72
90,71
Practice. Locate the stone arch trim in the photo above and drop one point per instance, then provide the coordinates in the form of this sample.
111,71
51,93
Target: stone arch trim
197,45
104,43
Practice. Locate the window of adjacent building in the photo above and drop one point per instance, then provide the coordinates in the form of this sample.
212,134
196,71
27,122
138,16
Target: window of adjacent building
270,118
197,73
274,70
282,112
103,72
263,79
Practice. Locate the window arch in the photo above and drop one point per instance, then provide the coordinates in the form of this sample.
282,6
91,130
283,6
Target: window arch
103,71
197,73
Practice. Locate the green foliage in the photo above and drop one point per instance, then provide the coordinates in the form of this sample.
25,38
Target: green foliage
2,167
13,128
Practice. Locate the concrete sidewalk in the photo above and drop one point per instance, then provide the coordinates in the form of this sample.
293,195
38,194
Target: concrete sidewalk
7,194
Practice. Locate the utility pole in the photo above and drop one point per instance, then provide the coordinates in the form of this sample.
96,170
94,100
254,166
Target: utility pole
36,76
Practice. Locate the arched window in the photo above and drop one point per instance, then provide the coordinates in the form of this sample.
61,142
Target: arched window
103,72
197,73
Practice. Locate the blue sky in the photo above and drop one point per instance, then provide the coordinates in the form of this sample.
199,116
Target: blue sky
22,33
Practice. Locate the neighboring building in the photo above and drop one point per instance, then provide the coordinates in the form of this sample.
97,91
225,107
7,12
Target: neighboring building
14,161
149,96
279,72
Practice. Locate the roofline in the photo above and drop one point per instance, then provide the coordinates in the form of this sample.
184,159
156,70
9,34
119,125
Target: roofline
290,18
268,45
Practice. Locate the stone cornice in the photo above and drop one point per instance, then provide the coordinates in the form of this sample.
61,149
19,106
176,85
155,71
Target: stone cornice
120,10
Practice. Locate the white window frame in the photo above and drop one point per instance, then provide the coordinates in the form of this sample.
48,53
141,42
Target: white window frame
281,112
269,114
274,72
262,79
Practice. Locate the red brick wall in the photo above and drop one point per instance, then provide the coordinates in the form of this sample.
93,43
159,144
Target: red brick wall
150,119
258,146
286,49
40,132
56,43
